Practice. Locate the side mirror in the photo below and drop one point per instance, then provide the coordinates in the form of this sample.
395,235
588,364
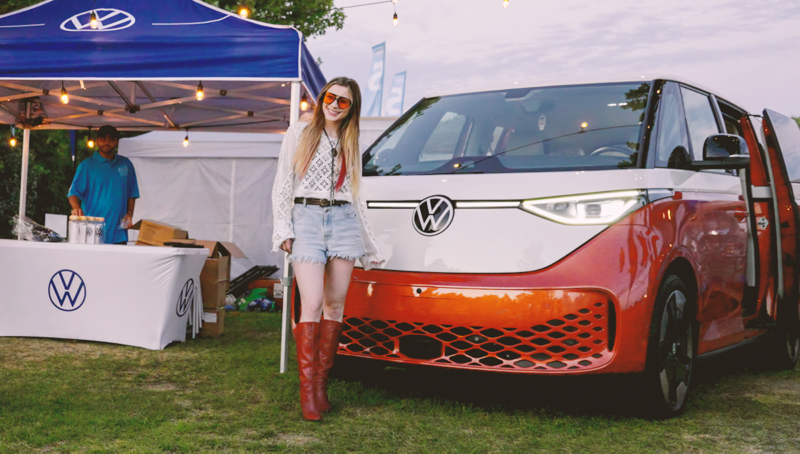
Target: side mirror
723,152
720,146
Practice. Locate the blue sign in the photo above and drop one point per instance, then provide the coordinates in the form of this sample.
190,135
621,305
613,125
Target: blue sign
394,104
373,94
67,291
185,298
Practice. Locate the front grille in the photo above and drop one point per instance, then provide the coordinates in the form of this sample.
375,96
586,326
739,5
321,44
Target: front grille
577,340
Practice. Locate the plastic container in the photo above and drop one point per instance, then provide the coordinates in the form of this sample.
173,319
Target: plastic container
99,230
90,225
72,232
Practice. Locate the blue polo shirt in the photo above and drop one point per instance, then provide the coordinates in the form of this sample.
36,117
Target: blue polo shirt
104,187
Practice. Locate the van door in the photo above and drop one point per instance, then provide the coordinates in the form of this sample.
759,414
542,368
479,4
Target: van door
782,137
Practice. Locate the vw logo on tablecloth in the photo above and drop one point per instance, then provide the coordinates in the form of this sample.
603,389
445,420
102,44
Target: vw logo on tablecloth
185,298
108,20
433,215
67,291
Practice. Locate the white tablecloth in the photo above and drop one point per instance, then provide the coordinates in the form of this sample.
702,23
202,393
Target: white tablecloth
131,295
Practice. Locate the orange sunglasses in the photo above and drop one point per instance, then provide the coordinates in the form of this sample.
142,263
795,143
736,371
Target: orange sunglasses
342,102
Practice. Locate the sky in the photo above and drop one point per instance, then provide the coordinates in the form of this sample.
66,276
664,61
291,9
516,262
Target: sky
746,52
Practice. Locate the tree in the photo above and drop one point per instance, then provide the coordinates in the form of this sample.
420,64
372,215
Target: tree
797,119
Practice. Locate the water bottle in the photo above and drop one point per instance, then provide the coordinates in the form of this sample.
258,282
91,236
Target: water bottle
81,230
73,229
99,230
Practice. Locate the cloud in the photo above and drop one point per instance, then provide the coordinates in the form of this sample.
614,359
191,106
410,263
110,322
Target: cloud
745,49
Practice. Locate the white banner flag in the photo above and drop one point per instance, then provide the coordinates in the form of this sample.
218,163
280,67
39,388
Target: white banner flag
373,94
394,104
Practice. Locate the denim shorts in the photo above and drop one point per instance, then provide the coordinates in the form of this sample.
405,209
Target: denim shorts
325,233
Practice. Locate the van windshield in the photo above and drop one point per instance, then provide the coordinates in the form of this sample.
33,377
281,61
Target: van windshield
579,127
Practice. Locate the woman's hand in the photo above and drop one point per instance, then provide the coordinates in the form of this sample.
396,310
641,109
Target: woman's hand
287,246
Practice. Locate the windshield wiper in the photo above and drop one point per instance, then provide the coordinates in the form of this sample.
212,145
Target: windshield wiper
535,143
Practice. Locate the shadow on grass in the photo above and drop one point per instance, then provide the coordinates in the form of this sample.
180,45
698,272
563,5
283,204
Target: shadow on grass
609,396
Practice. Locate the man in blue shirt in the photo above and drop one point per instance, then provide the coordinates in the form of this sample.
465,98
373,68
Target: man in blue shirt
105,186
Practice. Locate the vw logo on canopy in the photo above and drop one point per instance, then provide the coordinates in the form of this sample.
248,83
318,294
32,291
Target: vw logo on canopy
108,20
433,215
185,298
67,291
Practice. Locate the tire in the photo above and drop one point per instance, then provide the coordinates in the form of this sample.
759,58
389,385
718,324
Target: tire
671,352
783,346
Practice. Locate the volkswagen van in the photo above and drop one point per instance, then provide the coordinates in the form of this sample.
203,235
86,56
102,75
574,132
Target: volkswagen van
615,227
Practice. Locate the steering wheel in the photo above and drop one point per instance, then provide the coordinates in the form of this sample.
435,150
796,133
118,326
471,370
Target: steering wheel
614,150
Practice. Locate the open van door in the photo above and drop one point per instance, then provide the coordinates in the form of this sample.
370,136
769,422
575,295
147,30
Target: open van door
783,151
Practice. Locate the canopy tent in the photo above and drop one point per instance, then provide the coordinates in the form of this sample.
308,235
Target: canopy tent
139,65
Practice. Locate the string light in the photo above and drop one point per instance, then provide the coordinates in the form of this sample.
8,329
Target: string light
186,139
394,19
90,142
64,97
584,125
244,12
13,140
304,103
93,17
200,94
394,1
505,3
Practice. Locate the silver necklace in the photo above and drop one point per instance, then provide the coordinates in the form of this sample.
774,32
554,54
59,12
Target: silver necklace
333,163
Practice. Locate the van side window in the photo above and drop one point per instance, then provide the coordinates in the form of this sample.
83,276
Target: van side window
673,141
700,119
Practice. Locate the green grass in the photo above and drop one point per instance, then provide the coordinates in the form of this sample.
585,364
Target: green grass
211,395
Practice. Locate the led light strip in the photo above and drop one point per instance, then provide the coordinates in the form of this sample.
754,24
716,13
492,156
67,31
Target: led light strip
488,204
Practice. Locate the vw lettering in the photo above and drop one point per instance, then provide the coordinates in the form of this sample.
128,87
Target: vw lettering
433,215
67,291
108,20
185,298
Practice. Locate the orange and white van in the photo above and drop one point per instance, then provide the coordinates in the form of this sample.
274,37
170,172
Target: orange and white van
628,226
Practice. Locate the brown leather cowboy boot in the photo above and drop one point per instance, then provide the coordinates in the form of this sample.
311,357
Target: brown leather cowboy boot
307,339
328,343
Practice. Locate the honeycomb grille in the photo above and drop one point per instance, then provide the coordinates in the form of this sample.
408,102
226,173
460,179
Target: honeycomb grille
577,340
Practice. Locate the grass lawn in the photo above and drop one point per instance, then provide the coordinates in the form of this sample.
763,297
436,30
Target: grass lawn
226,394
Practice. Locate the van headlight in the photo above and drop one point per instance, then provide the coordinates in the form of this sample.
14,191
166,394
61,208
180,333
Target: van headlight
587,209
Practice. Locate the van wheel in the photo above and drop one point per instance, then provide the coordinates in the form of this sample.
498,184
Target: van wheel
671,352
783,348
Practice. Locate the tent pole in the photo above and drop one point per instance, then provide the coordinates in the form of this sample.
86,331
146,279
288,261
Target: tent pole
23,178
288,273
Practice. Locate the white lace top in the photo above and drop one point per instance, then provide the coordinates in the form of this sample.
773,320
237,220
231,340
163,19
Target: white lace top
316,183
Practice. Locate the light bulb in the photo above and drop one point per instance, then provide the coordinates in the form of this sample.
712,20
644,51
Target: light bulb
93,21
244,12
505,3
584,125
394,19
200,95
90,143
304,103
13,142
186,140
394,1
64,97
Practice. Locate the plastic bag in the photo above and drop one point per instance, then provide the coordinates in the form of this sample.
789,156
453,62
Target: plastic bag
32,231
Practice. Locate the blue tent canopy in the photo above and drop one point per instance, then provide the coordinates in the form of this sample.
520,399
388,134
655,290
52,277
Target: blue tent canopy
142,64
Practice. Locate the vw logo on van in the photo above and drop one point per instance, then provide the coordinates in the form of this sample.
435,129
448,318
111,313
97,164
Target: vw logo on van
67,291
185,298
108,20
433,215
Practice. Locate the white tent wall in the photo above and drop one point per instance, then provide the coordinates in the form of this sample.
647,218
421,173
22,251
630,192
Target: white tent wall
217,188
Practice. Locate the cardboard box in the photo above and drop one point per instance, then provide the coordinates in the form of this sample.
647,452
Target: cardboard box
213,323
214,294
154,233
216,273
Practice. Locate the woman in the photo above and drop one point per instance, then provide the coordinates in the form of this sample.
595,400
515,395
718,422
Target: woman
322,224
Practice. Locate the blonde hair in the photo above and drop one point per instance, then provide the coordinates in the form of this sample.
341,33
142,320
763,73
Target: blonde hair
348,137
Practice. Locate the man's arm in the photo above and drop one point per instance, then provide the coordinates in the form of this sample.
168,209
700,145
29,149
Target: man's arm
75,203
127,220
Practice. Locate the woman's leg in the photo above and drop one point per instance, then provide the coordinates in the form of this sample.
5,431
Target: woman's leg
310,280
337,281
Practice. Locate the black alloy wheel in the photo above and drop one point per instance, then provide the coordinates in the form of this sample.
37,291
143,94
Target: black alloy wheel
671,351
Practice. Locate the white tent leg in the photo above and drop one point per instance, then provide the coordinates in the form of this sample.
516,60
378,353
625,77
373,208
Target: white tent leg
288,274
23,178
